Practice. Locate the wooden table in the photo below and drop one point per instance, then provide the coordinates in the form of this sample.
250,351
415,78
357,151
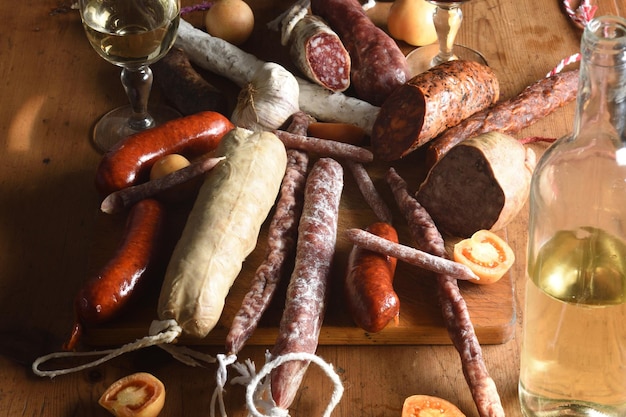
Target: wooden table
53,89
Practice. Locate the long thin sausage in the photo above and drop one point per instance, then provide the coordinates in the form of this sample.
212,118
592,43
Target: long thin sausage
281,242
453,307
368,286
105,295
305,303
510,116
325,148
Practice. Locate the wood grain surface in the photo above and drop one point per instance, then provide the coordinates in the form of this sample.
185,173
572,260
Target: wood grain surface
54,87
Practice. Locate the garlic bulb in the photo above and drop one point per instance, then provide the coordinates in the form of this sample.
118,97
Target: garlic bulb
268,100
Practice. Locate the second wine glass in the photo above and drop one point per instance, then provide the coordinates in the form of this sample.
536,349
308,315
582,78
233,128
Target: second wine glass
447,19
131,34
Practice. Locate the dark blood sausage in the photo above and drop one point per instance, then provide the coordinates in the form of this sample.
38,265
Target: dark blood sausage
184,87
378,64
106,294
281,241
430,103
129,161
319,53
305,302
510,116
453,307
368,286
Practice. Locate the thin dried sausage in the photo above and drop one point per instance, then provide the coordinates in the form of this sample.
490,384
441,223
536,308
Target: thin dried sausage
453,307
305,303
510,116
378,64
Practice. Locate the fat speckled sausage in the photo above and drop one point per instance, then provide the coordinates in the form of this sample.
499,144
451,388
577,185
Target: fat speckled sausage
129,161
430,103
368,286
378,64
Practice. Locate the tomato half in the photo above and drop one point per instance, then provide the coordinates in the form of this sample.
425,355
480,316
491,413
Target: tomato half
429,406
137,395
486,254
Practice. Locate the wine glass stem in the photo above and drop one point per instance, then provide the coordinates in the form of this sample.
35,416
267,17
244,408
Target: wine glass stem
447,20
137,83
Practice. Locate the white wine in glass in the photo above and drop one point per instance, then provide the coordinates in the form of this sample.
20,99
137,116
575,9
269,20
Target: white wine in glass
447,19
131,34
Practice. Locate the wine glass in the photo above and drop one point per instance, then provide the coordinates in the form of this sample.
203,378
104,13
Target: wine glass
131,34
447,19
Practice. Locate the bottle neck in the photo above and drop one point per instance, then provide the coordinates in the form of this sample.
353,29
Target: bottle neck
601,103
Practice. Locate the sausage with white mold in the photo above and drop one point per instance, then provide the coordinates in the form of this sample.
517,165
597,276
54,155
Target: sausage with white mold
222,229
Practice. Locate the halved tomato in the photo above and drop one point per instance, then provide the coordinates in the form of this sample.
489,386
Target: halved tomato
486,254
137,395
429,406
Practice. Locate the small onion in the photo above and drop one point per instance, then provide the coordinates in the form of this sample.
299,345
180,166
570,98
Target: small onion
268,100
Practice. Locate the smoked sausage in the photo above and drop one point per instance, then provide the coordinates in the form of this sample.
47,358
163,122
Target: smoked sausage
105,295
129,161
368,286
430,103
510,116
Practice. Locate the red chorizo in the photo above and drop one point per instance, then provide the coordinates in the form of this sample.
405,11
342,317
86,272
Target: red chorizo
378,64
430,103
129,161
368,286
106,294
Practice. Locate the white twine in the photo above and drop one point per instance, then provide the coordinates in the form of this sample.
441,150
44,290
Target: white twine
253,402
161,333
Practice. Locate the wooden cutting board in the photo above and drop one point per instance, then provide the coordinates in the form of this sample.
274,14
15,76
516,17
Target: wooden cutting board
492,307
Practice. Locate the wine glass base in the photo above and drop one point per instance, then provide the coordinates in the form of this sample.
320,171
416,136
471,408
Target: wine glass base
113,126
421,59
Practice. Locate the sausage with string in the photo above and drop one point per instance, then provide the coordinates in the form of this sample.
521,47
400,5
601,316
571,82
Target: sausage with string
281,241
306,298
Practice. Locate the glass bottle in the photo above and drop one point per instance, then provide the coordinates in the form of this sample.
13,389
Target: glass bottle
573,360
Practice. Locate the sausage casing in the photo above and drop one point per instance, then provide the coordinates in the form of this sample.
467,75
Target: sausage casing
368,286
